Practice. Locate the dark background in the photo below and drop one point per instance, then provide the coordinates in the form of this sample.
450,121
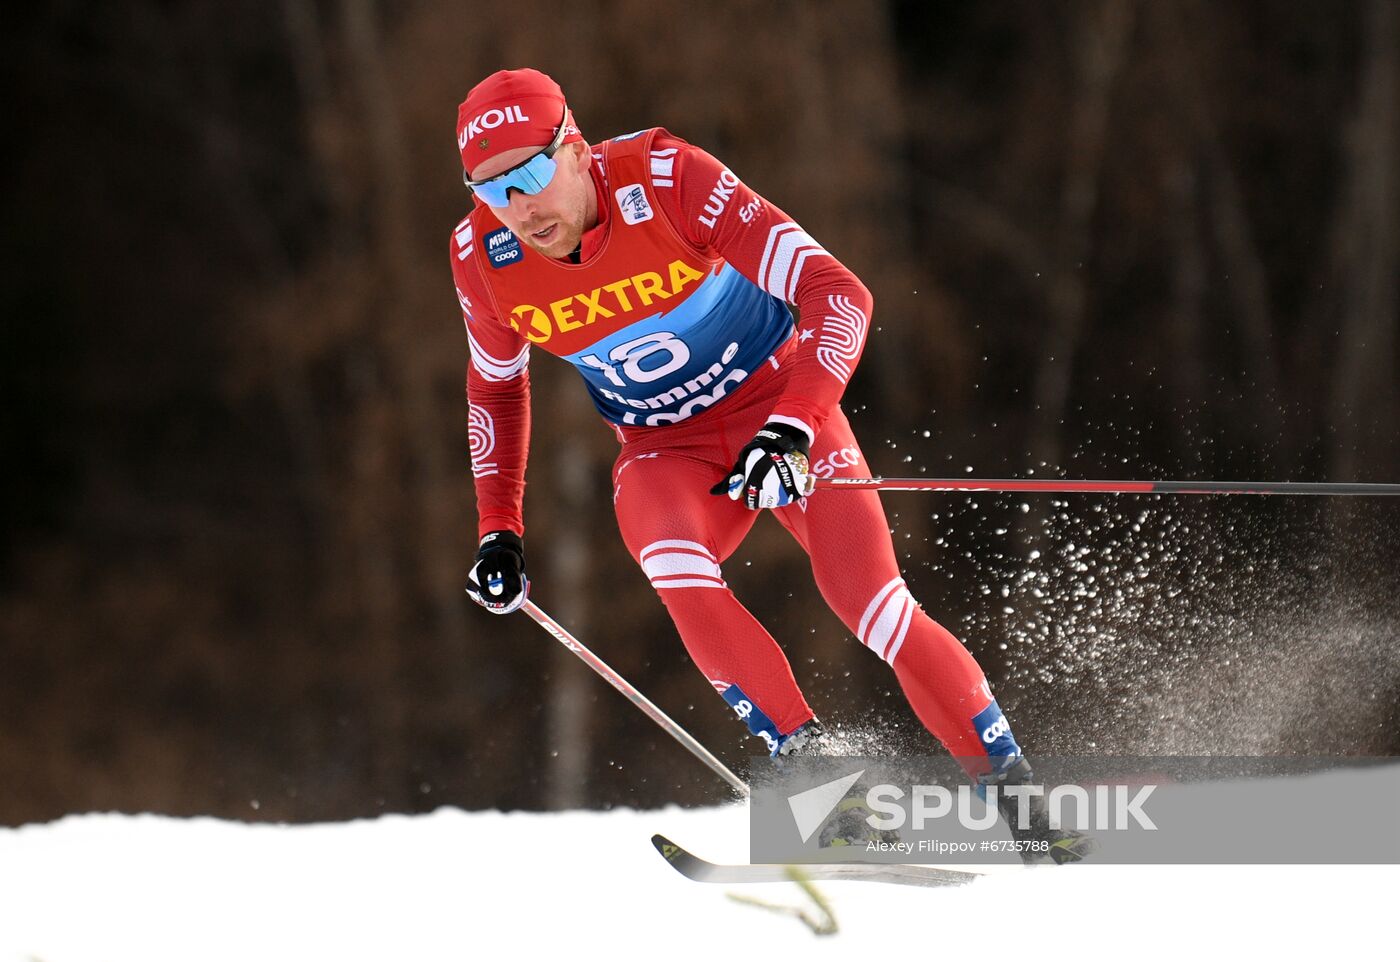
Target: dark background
1106,239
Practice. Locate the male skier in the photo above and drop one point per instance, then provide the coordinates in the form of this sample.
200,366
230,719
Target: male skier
666,282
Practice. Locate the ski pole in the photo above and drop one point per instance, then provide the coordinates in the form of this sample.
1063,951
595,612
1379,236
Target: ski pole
1053,486
562,635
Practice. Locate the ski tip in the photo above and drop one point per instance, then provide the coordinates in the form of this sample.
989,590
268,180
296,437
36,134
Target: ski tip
669,850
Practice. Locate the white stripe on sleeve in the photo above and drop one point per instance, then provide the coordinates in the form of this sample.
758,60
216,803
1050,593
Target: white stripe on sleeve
787,249
495,369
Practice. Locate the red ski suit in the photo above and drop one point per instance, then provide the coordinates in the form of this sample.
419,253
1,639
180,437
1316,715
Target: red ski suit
676,317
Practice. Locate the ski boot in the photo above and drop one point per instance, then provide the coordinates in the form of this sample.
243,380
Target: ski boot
1064,845
809,738
847,825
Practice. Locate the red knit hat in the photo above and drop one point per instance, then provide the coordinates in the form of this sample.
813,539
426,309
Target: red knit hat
509,109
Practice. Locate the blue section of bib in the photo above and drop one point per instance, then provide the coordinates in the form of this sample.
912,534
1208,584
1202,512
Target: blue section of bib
673,364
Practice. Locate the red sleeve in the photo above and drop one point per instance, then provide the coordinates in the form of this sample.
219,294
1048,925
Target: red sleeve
498,396
716,211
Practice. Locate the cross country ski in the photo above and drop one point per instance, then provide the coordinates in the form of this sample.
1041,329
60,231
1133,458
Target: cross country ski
698,870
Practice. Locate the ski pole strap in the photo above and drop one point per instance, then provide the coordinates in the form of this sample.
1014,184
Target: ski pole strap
1055,486
562,635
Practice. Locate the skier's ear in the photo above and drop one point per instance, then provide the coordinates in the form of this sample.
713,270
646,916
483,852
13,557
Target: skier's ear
582,156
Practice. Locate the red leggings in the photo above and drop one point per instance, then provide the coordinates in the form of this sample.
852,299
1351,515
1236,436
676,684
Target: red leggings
680,534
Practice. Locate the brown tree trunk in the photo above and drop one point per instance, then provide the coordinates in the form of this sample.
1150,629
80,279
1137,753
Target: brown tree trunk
1253,313
1244,273
1364,377
1101,41
569,706
1183,327
409,355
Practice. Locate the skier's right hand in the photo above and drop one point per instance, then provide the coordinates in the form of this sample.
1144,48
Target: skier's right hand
771,471
497,581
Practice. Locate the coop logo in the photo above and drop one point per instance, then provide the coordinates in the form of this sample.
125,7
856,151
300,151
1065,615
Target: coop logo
503,248
490,120
999,728
995,731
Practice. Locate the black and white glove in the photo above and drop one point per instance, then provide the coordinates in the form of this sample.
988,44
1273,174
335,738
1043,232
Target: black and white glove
771,470
497,581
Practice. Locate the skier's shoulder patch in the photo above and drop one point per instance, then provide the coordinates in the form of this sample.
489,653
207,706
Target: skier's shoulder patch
633,204
503,248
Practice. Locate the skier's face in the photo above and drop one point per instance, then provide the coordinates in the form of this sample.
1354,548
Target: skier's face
554,220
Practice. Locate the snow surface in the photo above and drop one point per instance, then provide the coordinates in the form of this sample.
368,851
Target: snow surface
494,885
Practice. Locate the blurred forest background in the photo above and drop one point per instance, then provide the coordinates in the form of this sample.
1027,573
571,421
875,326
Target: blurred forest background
1106,238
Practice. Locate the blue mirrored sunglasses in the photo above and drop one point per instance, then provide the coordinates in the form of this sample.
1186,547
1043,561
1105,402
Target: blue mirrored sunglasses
530,176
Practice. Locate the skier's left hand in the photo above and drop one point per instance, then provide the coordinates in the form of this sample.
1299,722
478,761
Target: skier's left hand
771,470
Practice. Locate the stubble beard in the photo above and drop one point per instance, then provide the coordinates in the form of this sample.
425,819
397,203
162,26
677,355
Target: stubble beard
568,234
